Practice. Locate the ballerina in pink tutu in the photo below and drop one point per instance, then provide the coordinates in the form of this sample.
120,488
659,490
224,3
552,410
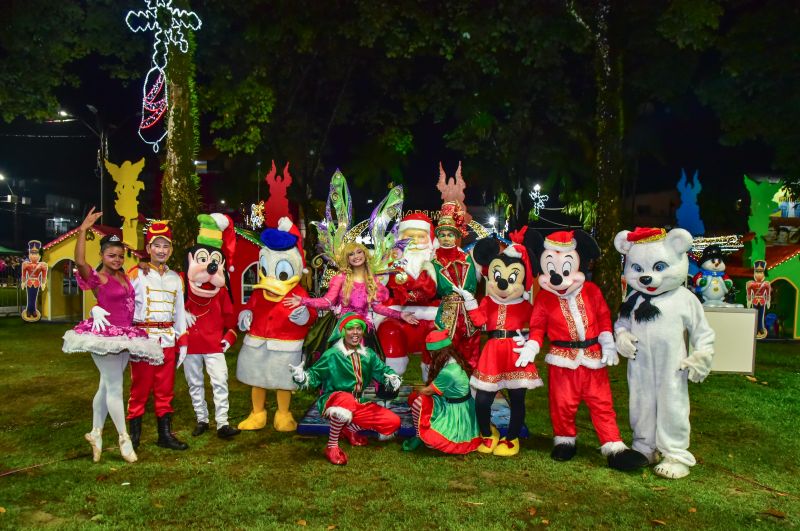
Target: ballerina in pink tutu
108,336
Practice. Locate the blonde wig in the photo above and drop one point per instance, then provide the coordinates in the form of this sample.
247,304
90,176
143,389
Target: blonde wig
347,269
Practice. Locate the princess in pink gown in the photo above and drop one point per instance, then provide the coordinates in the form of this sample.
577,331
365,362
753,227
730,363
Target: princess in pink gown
355,289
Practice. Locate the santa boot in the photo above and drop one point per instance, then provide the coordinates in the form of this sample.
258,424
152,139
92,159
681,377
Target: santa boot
167,439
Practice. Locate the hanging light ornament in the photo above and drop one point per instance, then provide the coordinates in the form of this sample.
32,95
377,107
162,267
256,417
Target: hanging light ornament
167,24
539,199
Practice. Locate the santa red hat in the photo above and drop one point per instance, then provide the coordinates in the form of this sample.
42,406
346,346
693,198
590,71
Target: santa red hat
518,250
417,220
562,241
158,229
646,235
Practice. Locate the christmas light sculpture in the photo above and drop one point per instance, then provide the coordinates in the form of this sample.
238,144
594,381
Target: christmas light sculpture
167,24
539,199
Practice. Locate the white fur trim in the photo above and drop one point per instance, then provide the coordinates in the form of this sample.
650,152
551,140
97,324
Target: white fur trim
285,224
413,224
221,220
561,361
511,252
339,345
522,383
558,439
613,448
339,413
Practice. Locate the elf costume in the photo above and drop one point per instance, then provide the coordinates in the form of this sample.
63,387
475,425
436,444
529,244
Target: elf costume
343,371
446,420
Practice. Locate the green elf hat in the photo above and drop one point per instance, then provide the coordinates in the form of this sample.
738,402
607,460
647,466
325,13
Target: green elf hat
216,230
438,339
346,321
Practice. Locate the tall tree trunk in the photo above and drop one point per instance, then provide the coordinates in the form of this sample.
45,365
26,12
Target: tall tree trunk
179,187
609,163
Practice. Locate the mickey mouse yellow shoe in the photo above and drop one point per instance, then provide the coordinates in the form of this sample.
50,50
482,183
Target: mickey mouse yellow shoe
506,448
489,443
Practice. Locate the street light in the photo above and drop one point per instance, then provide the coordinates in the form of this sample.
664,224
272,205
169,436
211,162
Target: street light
102,153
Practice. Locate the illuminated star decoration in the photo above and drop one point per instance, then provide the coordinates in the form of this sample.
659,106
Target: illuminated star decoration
256,217
167,24
538,199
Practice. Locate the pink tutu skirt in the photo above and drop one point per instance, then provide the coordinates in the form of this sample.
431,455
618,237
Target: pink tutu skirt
113,340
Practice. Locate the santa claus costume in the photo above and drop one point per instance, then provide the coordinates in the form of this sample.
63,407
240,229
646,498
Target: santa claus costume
413,289
573,314
504,311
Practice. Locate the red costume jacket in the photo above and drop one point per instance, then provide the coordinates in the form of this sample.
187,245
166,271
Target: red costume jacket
498,316
583,316
271,319
215,322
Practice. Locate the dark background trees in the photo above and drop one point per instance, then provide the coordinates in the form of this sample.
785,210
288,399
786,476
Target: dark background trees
595,100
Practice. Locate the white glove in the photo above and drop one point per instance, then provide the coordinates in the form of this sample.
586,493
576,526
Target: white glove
181,355
225,346
189,319
99,321
609,358
627,343
245,320
392,381
527,353
469,299
298,374
300,316
699,365
520,338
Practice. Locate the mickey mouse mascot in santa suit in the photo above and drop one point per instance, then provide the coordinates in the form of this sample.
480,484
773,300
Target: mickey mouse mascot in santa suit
275,333
413,289
210,319
572,313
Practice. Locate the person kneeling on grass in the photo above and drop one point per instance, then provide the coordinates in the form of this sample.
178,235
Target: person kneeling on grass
343,371
444,410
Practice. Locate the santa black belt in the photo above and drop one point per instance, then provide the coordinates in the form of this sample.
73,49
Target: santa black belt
575,344
502,334
459,399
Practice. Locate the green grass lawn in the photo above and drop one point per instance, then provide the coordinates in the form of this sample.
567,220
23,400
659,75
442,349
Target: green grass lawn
745,437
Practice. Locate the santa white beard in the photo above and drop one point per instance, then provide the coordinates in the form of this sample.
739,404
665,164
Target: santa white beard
417,258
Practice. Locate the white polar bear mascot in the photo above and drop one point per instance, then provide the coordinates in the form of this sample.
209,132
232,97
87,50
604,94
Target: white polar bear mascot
650,332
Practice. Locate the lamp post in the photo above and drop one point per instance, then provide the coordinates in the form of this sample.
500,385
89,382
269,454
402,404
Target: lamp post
102,152
100,131
13,198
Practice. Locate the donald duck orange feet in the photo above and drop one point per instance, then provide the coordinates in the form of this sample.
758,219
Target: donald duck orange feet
255,421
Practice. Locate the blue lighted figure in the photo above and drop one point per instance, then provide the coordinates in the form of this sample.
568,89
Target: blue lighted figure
688,214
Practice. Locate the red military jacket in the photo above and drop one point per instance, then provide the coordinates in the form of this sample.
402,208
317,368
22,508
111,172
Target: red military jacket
584,315
216,321
271,319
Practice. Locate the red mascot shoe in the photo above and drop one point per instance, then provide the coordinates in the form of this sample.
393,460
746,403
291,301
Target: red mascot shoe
355,438
336,456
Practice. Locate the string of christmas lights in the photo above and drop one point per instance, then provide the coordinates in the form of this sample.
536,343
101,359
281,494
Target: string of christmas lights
167,24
